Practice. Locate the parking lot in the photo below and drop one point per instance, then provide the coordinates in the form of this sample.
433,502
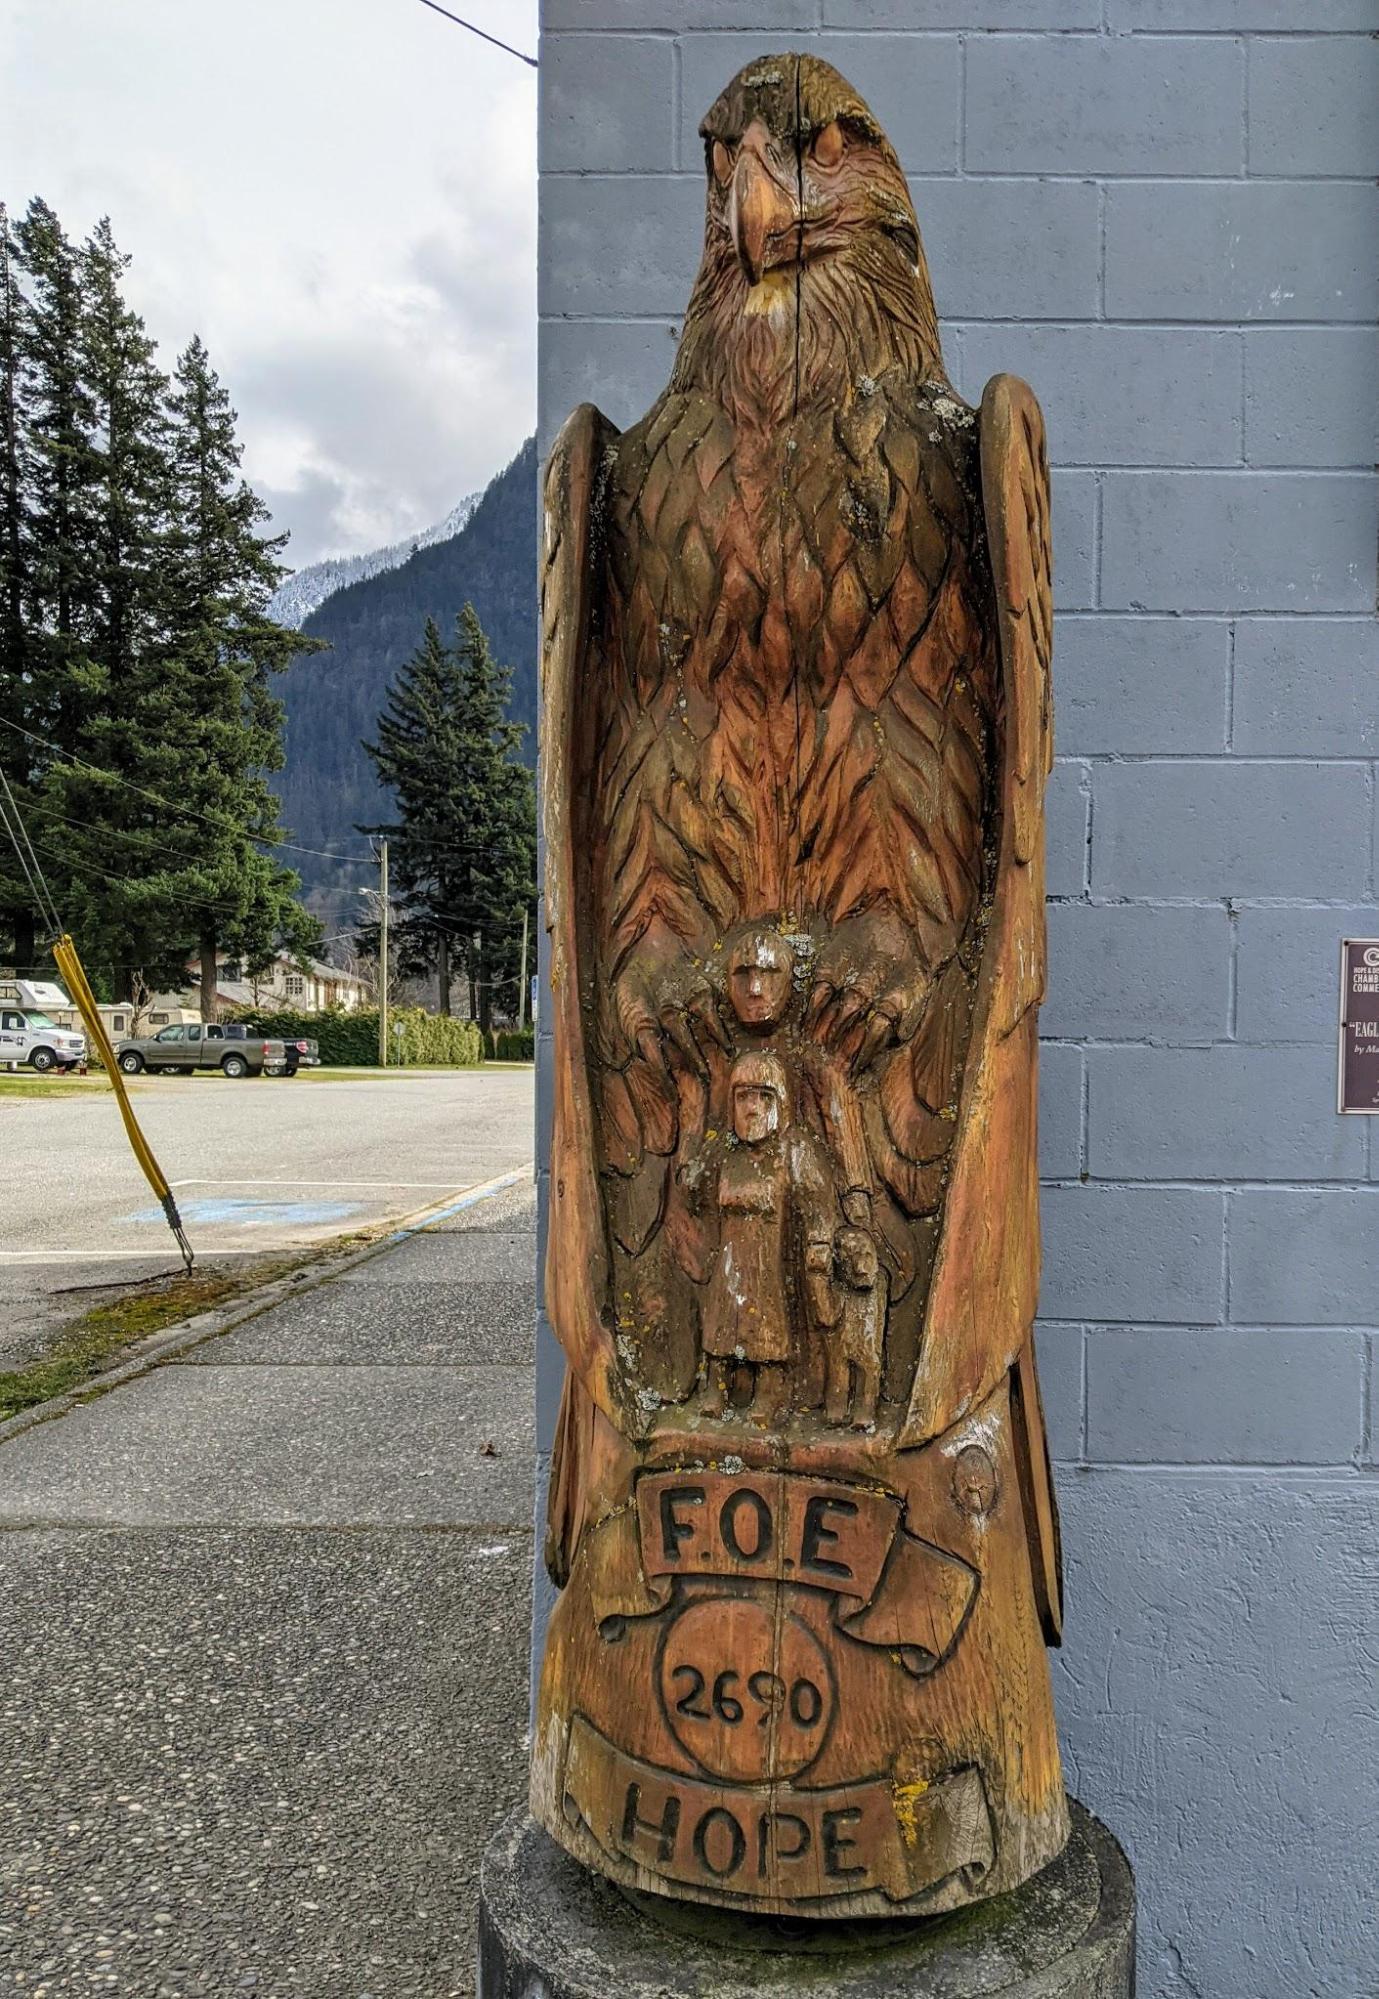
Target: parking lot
258,1167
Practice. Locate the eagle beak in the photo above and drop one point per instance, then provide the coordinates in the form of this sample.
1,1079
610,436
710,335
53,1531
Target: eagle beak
760,212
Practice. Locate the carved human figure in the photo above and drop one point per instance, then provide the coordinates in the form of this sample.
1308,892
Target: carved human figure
857,1343
771,1201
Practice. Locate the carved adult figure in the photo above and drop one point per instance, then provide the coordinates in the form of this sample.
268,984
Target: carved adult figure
773,1204
796,733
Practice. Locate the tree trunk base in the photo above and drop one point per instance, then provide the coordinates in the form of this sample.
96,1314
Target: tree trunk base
547,1925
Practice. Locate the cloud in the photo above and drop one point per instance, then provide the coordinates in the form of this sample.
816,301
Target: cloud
339,195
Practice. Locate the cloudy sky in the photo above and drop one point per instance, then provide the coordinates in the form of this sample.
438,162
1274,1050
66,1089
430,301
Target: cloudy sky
338,195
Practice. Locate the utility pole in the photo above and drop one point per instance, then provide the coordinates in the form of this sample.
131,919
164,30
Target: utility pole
383,954
522,986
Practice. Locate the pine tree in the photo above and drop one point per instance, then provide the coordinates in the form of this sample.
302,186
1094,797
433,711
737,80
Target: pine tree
16,756
50,576
138,725
62,470
463,845
221,651
503,883
116,895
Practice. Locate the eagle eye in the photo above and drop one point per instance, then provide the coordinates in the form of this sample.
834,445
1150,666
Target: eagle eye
830,143
721,161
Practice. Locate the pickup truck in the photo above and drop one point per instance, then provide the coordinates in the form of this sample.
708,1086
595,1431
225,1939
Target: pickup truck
300,1053
181,1050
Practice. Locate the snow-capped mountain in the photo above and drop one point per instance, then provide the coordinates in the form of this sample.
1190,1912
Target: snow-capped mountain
293,603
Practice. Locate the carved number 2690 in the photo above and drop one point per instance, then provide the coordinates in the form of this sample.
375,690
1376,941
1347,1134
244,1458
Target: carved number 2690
768,1690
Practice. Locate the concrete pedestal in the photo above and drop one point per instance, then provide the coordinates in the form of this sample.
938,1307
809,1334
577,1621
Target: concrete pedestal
549,1929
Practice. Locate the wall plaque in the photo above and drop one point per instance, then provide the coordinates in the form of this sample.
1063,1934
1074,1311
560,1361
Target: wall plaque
1357,1077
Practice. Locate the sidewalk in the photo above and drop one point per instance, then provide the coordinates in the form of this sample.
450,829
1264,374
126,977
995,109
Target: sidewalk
263,1642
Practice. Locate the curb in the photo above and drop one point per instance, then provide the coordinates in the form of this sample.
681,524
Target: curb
187,1333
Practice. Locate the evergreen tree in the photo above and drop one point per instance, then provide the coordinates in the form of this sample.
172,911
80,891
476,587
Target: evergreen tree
137,721
220,720
462,849
50,575
15,753
502,884
123,914
63,470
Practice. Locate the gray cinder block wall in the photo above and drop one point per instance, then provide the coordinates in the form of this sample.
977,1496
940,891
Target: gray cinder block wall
1164,214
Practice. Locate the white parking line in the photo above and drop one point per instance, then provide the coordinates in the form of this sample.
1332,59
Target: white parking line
440,1186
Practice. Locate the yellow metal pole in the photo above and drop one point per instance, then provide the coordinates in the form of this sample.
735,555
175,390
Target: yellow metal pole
70,965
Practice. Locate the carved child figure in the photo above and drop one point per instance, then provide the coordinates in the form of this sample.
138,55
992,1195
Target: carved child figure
771,1195
857,1342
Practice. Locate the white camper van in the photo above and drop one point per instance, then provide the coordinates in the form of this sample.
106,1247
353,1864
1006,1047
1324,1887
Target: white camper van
29,1032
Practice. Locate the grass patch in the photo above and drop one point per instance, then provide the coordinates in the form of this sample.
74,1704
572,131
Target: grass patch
96,1340
24,1083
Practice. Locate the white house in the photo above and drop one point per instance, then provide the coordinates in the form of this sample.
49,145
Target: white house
308,987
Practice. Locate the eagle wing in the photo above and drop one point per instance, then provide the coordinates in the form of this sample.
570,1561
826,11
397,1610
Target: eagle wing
987,1267
1015,493
577,1253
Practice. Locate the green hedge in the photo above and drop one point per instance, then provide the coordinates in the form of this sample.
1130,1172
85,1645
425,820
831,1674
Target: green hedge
350,1040
511,1044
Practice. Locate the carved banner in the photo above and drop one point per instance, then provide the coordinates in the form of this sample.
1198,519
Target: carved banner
789,1527
799,1845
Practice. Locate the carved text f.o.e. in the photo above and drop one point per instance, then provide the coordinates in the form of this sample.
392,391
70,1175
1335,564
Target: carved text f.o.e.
797,728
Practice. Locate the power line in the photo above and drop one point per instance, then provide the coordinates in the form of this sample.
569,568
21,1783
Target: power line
92,871
154,841
187,811
29,862
482,33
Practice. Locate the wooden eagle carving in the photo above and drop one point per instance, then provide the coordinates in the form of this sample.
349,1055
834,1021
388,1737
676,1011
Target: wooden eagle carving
796,713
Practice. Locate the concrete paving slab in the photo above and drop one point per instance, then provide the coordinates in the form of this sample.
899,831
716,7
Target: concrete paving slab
307,1445
383,1325
253,1762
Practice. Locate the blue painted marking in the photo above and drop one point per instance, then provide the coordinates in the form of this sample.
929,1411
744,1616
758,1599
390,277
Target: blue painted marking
250,1214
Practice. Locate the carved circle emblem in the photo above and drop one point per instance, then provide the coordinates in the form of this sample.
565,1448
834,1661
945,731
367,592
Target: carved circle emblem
747,1696
974,1481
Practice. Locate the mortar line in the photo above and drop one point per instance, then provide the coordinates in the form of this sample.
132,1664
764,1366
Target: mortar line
1083,1418
676,101
1084,1127
1098,525
1232,974
962,105
1230,687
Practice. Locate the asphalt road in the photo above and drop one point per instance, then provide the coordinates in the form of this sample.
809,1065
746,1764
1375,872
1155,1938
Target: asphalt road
265,1616
257,1166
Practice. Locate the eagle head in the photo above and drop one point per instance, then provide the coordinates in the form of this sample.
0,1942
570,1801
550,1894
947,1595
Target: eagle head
811,244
